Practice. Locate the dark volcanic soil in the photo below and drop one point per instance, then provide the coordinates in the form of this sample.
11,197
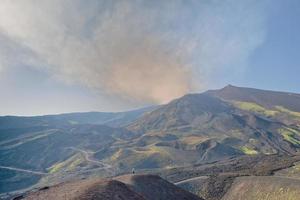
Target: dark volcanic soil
127,187
154,187
87,189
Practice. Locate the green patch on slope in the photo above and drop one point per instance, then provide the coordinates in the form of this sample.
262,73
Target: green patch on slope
136,156
253,107
151,156
67,165
290,135
248,150
285,110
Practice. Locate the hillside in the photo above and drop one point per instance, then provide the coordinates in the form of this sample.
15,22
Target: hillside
211,181
154,187
129,187
249,188
265,98
282,106
91,189
192,130
215,129
55,153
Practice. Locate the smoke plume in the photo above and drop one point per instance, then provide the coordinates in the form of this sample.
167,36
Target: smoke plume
150,51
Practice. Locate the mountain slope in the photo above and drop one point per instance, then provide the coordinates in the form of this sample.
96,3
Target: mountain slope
268,99
191,130
85,190
216,128
281,106
56,153
130,187
248,188
154,187
189,110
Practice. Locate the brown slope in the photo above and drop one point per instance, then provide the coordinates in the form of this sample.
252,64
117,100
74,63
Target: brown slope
87,190
154,187
128,187
189,110
264,187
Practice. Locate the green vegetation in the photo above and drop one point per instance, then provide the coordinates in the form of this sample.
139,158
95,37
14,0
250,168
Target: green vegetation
290,135
68,165
292,113
253,107
56,167
248,151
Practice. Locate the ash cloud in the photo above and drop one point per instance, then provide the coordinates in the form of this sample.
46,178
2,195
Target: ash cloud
150,51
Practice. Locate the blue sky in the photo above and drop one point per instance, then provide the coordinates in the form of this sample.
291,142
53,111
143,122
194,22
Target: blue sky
275,65
69,56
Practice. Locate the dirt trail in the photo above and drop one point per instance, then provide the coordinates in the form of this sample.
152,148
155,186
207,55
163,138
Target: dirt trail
23,170
191,179
88,157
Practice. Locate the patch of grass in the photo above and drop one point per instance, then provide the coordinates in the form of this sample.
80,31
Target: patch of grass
289,135
68,165
285,110
293,130
74,164
150,150
248,151
116,155
139,158
56,167
143,157
253,107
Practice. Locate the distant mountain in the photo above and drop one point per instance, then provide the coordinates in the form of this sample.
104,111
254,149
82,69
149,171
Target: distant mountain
191,130
114,119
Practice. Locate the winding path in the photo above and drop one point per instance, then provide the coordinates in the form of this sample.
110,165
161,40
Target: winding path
23,170
191,179
87,156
